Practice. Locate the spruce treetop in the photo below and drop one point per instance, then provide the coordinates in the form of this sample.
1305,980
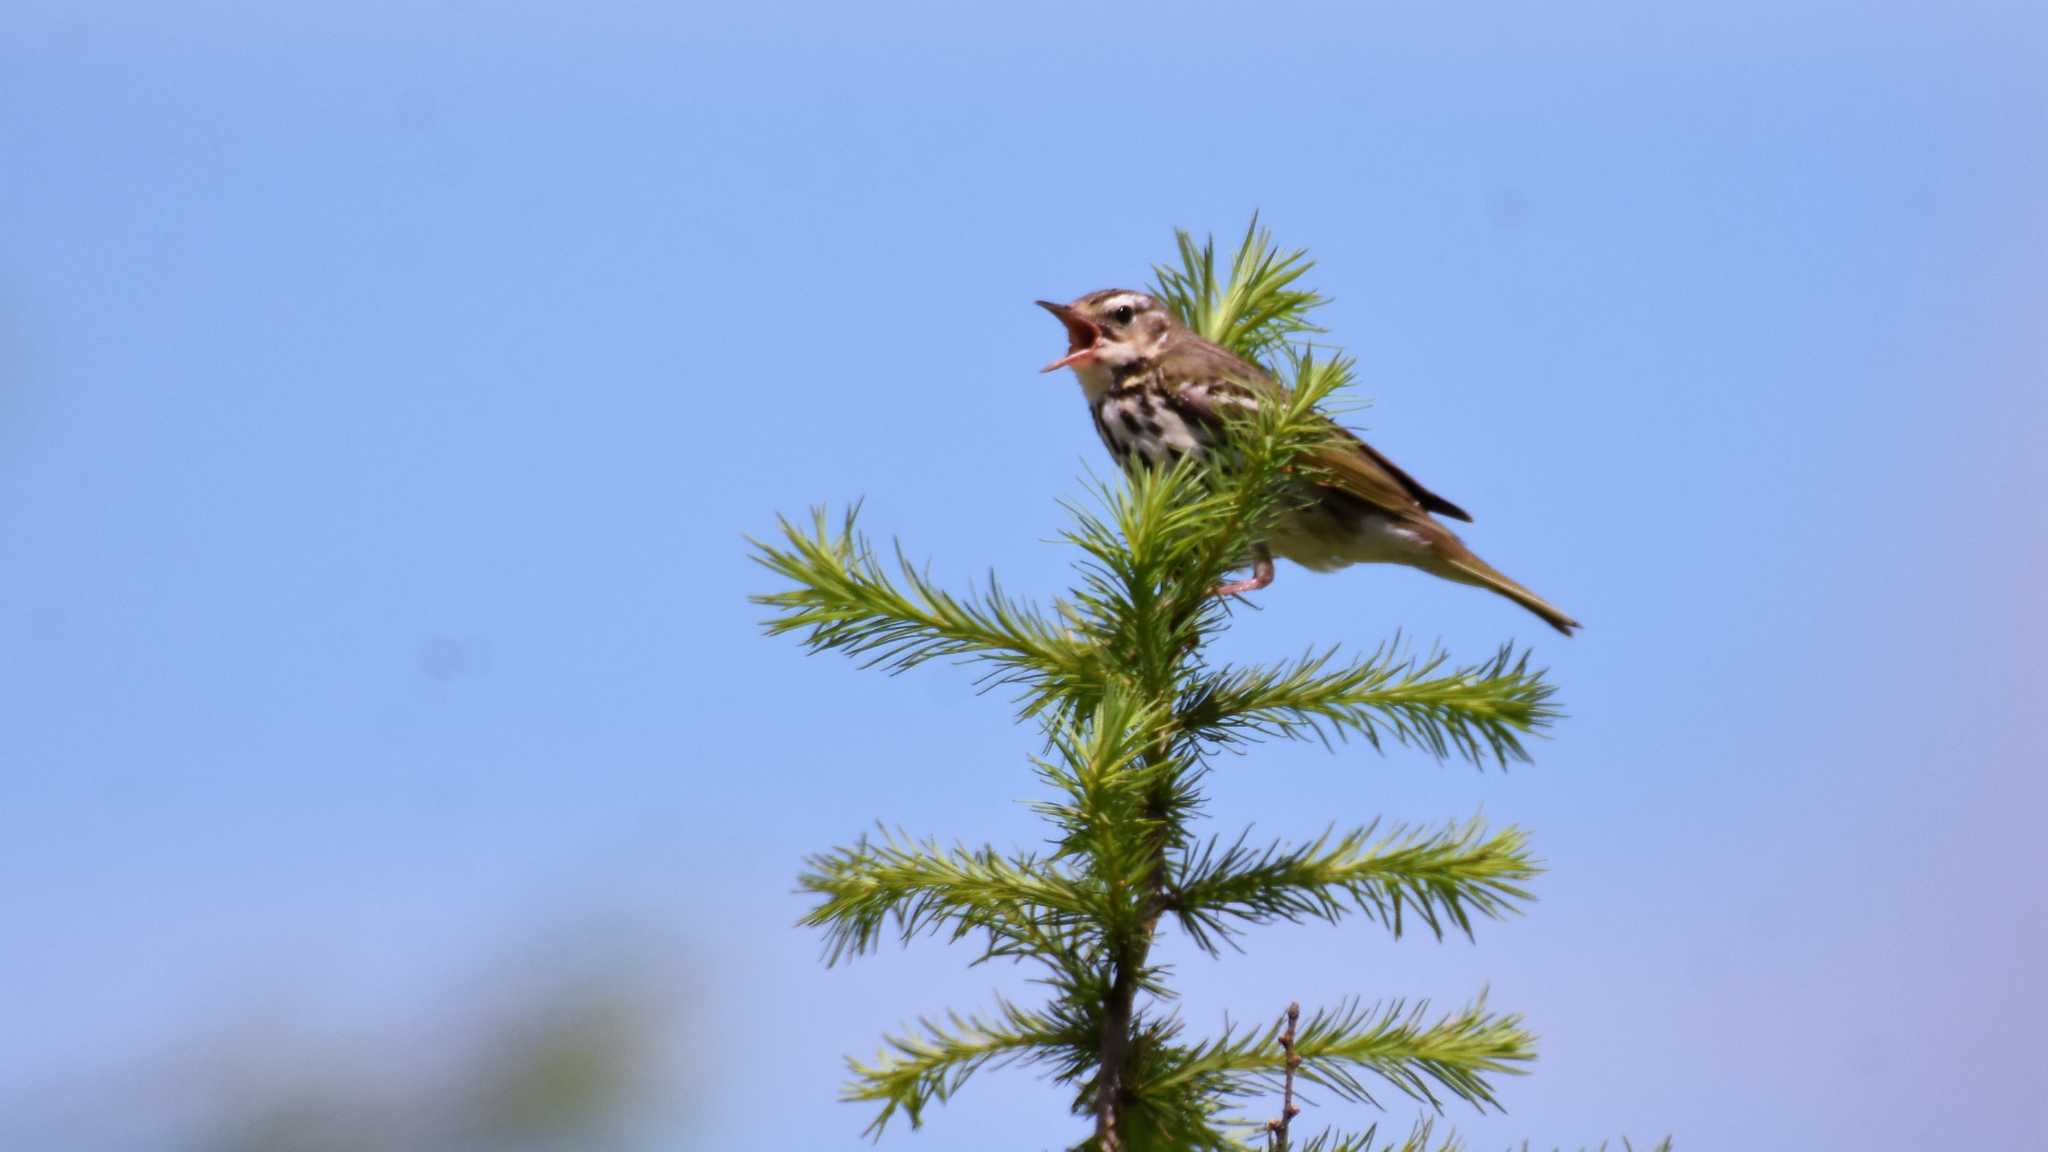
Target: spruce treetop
1118,679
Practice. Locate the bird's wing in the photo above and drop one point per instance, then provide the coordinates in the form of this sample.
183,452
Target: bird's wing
1354,457
1349,464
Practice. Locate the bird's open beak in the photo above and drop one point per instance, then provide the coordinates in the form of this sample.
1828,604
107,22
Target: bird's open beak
1081,336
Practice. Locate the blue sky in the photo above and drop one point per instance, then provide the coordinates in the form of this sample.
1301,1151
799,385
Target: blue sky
386,390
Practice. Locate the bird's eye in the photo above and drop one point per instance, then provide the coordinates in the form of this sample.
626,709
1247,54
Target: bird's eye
1123,315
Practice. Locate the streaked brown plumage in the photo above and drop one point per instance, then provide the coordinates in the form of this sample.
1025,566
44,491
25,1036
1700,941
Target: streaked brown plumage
1159,391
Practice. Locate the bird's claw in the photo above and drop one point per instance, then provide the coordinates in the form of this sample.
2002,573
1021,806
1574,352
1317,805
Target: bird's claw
1262,575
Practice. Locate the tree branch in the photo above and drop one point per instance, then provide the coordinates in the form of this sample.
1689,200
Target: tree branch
1288,1110
844,600
1479,712
1443,876
922,887
1418,1140
930,1064
1258,311
1454,1054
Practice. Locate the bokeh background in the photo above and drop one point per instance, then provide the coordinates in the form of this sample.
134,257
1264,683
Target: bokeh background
389,758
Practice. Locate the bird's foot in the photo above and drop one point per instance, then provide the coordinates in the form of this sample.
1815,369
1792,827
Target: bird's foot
1262,575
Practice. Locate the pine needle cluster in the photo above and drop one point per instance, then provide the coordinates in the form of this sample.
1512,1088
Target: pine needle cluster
1118,678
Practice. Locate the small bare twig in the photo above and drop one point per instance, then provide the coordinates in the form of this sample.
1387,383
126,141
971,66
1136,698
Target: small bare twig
1288,1109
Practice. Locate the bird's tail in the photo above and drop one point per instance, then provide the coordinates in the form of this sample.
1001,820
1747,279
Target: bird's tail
1461,565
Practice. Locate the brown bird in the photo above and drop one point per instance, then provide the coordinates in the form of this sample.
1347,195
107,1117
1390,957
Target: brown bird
1159,392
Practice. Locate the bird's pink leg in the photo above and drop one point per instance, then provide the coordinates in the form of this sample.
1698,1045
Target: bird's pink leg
1262,575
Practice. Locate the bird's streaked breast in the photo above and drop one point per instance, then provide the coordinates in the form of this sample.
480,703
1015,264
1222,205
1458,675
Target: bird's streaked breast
1141,424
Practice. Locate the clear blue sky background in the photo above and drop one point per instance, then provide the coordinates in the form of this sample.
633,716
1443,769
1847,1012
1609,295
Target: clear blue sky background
385,390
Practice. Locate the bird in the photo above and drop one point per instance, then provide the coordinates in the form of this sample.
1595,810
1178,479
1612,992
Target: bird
1159,391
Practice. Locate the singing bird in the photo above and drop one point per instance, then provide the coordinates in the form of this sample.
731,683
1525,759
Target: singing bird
1159,392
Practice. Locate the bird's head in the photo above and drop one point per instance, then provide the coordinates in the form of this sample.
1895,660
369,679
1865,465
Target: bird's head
1111,333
